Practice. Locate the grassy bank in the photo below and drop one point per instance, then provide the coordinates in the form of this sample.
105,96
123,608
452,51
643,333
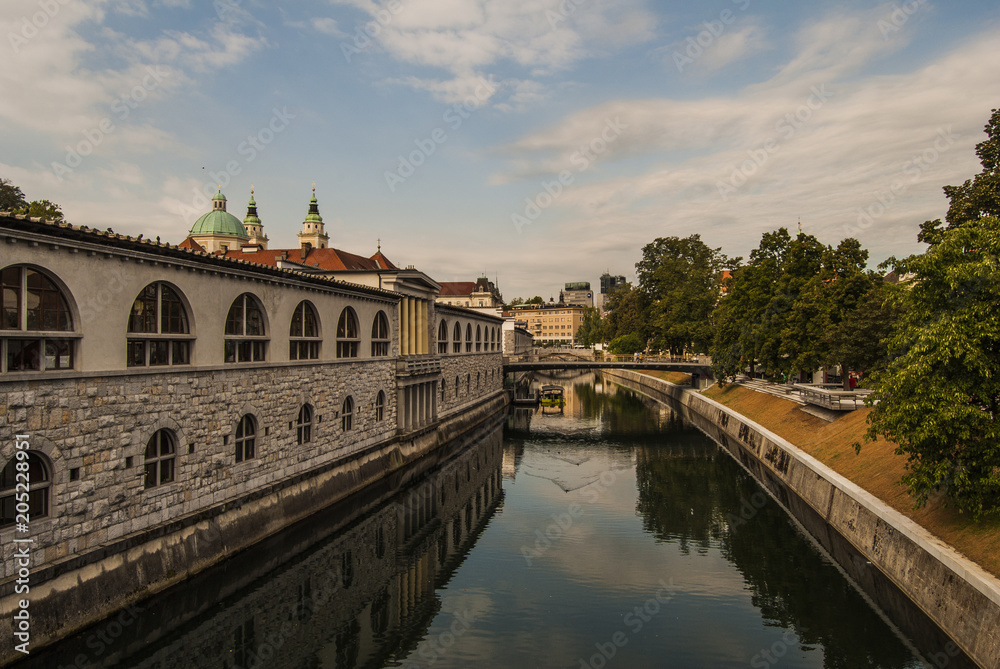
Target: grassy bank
877,468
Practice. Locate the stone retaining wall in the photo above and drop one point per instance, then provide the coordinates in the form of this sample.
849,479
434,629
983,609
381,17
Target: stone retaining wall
857,529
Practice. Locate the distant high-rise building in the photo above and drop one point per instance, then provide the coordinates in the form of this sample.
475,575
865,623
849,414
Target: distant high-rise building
577,293
609,283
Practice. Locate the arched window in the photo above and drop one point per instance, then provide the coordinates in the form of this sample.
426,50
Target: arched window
479,338
33,309
493,339
246,438
443,338
477,380
380,335
468,338
380,406
347,334
33,467
468,383
347,414
304,425
157,328
160,453
456,387
456,339
303,333
443,384
246,339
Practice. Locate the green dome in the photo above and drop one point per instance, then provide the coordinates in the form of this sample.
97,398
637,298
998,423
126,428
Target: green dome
219,222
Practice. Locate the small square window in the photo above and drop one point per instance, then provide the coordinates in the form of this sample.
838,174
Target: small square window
128,462
74,474
190,448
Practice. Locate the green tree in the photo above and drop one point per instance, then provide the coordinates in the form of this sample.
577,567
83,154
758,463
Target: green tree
513,303
626,344
44,209
939,398
590,331
744,324
537,299
859,341
624,307
11,197
679,279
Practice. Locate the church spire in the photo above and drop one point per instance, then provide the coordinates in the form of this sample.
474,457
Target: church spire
253,225
312,227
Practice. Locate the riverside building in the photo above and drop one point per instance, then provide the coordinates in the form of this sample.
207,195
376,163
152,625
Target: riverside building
179,402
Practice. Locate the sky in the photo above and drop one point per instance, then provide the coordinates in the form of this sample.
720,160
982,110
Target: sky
537,142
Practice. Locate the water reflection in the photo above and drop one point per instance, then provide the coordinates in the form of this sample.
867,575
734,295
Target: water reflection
355,586
610,534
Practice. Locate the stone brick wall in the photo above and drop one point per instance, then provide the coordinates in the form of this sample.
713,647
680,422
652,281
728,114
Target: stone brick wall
477,374
99,427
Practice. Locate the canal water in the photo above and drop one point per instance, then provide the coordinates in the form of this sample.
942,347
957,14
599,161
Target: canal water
605,533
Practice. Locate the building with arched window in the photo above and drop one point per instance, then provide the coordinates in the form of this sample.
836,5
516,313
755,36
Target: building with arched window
173,383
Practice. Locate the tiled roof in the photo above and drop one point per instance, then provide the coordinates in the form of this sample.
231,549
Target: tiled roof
457,288
325,259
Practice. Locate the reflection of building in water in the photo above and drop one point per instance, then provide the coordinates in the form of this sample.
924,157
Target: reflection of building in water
363,597
513,449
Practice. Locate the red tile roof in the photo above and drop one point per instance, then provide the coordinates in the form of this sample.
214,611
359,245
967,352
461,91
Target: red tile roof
325,259
191,244
457,288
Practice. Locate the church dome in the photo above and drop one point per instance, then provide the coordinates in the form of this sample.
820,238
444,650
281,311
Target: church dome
219,221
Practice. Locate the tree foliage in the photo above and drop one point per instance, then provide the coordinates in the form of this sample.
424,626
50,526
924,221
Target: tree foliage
624,307
11,197
940,395
590,331
626,344
679,283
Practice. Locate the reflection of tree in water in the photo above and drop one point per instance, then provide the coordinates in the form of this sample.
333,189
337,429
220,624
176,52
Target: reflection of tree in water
710,501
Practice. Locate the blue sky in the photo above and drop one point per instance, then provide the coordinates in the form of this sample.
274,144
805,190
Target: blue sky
538,141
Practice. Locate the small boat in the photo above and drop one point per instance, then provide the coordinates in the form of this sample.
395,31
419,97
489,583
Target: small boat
552,396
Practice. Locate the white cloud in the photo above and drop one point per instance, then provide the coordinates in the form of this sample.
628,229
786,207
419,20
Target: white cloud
327,26
830,165
466,38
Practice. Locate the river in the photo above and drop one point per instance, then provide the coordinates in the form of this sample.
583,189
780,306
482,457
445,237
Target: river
606,533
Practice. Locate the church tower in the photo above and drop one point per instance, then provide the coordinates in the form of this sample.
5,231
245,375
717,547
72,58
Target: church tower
312,228
254,228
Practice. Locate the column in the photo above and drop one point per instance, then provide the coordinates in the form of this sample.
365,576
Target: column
404,316
411,330
422,327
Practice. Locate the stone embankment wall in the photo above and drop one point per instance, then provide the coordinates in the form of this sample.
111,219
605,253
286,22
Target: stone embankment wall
858,530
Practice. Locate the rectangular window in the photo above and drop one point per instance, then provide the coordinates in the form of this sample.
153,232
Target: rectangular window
159,353
180,352
22,355
58,354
